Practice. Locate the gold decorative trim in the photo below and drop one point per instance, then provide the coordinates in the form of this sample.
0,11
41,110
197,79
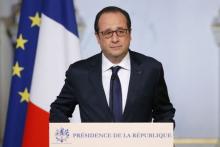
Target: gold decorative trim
197,141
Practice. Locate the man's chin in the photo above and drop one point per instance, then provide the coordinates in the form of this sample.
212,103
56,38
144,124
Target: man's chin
118,54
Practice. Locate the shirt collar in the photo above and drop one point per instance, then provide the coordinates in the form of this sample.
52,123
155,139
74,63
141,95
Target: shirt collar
125,63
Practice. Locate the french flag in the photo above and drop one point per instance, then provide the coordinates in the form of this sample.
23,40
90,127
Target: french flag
58,47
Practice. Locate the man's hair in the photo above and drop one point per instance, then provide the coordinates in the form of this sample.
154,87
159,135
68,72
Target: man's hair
111,9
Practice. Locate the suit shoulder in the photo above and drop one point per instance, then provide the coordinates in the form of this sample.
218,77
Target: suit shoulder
77,64
84,63
143,59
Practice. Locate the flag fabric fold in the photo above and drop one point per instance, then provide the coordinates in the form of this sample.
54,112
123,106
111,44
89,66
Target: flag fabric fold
55,47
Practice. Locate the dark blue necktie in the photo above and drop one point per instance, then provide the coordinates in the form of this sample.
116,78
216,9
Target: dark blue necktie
115,95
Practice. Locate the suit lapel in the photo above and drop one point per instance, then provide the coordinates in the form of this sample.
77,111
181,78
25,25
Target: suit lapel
95,77
135,78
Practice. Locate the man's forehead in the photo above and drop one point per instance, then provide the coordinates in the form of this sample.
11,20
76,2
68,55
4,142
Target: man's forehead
108,21
116,13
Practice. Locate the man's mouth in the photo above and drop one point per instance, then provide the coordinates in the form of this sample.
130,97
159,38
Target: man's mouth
115,46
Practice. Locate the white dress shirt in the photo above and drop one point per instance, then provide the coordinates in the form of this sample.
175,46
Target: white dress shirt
123,74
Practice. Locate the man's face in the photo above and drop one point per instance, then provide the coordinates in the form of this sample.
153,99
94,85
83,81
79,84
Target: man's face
116,46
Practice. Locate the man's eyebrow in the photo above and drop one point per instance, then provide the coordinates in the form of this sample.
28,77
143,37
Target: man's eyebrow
113,30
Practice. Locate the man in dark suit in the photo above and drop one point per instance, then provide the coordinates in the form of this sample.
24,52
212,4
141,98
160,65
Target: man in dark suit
116,85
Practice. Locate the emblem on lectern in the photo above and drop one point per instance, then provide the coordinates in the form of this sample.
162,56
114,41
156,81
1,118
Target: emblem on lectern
62,135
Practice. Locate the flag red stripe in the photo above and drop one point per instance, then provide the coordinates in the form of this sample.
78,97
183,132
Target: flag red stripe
36,133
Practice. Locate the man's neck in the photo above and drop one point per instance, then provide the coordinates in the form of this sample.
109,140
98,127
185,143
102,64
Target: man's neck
116,60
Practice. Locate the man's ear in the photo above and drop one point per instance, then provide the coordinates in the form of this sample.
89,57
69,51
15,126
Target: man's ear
97,37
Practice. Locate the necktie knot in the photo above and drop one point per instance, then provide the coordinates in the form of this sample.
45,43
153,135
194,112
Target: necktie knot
115,71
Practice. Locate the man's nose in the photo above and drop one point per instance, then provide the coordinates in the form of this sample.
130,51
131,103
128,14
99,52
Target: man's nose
115,37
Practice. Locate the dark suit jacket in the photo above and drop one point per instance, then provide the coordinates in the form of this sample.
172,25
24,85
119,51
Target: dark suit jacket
147,98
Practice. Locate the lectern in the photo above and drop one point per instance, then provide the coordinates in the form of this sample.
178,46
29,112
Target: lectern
111,135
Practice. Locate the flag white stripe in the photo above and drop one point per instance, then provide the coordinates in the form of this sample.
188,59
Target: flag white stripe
57,49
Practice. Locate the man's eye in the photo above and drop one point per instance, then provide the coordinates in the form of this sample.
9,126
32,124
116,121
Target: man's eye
107,33
121,31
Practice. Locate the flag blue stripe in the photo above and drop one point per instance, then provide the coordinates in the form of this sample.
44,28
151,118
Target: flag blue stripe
16,115
58,10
